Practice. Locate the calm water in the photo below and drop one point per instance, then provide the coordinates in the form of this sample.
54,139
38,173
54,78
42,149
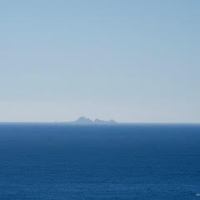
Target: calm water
57,162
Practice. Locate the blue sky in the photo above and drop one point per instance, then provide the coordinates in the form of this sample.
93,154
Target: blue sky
130,60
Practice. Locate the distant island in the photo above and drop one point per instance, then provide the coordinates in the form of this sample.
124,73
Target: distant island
87,121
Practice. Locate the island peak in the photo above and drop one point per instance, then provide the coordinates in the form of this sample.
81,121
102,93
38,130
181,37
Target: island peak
87,121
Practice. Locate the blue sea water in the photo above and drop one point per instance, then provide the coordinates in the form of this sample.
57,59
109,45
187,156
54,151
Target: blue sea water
133,162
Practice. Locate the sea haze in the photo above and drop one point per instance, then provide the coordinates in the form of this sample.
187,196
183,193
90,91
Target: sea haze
121,162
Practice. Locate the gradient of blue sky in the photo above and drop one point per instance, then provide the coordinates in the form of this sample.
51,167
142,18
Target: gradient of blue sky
131,60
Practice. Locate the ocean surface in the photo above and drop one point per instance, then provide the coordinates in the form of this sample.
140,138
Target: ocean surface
132,162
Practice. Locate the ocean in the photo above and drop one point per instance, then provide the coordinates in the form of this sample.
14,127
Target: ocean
122,162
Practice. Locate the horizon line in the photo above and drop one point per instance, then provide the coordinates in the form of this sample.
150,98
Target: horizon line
118,123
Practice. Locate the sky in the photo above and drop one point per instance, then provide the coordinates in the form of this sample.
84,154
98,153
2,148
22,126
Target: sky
128,60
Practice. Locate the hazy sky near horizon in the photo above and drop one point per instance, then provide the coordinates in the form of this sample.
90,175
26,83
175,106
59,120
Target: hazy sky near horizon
130,60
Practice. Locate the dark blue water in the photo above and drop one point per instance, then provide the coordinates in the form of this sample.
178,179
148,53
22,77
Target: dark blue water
57,162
